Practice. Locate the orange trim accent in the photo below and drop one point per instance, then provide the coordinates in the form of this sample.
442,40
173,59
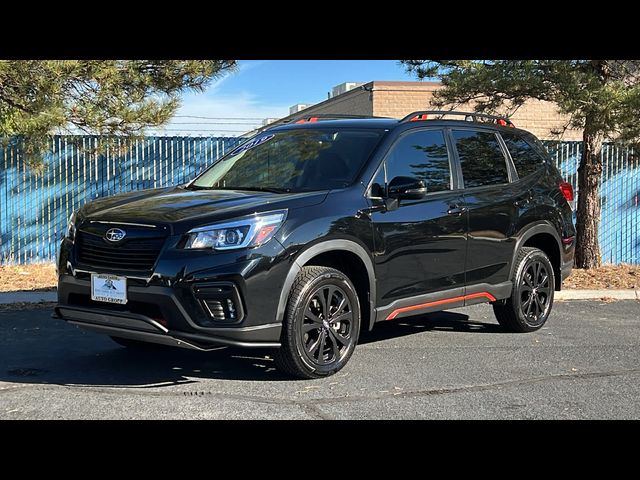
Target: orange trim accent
420,117
398,311
307,120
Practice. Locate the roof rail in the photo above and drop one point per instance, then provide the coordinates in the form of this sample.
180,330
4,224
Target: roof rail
312,118
468,116
325,116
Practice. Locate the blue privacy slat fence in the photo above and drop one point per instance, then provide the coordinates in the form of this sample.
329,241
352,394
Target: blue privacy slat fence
619,197
34,207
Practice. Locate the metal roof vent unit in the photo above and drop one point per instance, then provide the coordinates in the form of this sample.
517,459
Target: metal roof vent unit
344,88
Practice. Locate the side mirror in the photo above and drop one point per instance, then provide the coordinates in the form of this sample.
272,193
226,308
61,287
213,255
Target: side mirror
406,188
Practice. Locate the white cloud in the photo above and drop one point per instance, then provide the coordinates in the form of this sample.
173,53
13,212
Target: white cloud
224,114
220,112
242,67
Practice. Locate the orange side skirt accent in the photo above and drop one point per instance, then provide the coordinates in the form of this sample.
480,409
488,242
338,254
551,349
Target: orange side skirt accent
398,311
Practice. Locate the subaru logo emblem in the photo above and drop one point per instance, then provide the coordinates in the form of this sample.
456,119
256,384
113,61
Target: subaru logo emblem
115,234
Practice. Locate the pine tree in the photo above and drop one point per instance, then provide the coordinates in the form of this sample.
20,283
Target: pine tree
601,97
112,97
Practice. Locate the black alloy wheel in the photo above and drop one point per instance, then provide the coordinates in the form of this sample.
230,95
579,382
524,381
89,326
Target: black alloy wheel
535,290
531,300
327,325
321,325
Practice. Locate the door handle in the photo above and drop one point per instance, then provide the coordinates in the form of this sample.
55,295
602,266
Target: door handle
456,209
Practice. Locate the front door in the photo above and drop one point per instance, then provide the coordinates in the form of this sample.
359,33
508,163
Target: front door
420,247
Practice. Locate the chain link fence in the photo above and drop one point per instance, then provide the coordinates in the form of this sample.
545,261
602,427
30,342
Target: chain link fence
35,206
619,197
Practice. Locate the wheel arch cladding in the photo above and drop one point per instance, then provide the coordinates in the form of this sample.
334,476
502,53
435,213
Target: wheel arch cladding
344,255
549,243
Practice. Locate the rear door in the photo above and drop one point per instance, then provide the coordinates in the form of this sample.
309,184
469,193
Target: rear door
492,204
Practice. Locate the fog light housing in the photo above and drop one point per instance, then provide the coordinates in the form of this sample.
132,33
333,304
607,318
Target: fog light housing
220,302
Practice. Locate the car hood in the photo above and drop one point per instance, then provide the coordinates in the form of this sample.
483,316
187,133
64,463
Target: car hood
182,209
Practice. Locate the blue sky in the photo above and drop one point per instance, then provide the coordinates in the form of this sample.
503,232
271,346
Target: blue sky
267,88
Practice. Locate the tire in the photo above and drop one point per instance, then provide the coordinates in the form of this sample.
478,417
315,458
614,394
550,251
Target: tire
531,300
135,344
313,346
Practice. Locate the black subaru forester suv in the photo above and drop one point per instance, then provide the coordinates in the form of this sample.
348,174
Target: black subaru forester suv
311,232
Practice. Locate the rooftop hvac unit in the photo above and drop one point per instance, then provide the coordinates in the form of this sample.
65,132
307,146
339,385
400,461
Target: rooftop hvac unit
344,87
298,107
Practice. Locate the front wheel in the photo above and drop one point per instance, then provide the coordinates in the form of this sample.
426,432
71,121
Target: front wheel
321,324
531,300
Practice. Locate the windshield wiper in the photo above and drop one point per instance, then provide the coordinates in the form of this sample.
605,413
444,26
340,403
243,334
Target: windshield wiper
195,187
251,189
261,189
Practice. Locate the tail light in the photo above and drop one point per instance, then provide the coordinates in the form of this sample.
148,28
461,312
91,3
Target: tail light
567,191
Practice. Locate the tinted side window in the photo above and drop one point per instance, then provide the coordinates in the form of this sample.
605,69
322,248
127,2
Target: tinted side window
537,146
526,159
481,158
421,155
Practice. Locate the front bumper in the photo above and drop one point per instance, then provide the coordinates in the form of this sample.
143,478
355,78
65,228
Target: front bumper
167,306
143,328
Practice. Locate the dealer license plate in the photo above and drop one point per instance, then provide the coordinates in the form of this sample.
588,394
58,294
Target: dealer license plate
108,288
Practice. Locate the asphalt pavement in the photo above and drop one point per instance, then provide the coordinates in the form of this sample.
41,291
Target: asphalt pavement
566,294
585,364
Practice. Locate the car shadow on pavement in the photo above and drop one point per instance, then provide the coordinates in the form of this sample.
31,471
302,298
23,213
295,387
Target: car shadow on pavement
445,321
37,350
114,366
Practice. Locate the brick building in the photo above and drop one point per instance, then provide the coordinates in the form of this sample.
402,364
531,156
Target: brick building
397,99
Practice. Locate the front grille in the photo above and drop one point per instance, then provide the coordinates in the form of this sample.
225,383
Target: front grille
132,254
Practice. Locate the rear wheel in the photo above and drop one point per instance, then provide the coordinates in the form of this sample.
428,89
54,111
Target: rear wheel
531,300
321,324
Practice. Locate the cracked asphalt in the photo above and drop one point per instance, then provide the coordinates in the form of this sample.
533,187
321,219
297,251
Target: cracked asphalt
585,364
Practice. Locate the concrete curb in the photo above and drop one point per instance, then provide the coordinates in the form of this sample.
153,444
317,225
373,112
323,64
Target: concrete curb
28,297
630,294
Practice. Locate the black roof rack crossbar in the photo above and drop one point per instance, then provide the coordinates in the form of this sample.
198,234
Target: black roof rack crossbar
468,115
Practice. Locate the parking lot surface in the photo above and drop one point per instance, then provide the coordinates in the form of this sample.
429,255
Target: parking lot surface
585,364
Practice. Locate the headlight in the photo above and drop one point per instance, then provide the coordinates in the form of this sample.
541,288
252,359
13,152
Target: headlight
71,227
246,232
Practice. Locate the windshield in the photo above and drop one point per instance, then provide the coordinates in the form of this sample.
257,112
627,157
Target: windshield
297,160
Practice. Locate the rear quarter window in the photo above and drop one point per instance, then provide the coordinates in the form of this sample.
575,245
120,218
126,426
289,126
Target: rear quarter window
527,156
